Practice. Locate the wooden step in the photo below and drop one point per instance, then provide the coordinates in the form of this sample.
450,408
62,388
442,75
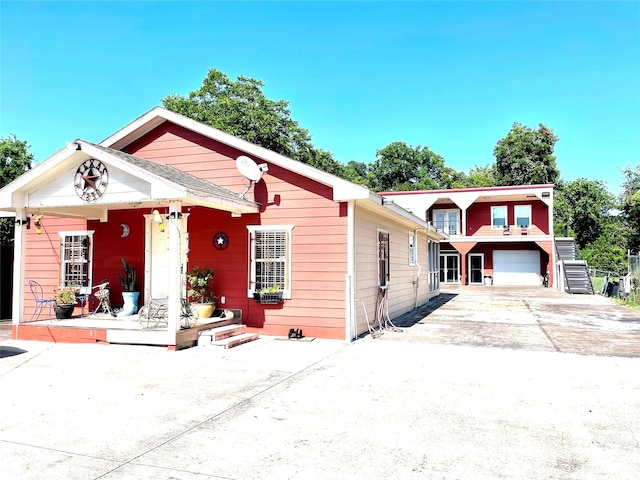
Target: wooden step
236,340
220,333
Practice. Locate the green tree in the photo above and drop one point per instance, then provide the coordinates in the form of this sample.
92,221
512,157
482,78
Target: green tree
240,108
481,177
400,167
630,203
525,156
582,207
15,159
358,172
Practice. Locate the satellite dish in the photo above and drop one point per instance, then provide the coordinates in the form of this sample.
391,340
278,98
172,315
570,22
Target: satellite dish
248,168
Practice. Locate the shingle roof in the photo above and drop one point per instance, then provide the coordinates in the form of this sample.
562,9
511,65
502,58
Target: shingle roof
172,174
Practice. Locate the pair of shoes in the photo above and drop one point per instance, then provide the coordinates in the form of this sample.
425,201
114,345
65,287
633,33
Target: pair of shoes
295,333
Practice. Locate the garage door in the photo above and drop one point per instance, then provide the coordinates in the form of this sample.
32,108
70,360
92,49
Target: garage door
516,267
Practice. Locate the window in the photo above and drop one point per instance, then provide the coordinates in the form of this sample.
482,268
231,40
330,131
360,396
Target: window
76,255
270,250
413,248
523,215
447,221
383,258
499,217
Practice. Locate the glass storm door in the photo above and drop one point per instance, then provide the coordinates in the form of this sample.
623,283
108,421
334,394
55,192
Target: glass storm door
449,268
476,268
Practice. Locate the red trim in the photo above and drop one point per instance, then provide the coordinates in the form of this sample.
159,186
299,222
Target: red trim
474,189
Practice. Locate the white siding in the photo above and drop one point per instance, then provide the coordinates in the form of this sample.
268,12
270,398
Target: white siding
402,291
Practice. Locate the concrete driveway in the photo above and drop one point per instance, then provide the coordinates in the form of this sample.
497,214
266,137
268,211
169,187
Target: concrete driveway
493,384
530,318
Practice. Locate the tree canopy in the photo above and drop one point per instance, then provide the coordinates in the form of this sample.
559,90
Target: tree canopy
15,159
240,108
525,156
400,167
630,203
582,205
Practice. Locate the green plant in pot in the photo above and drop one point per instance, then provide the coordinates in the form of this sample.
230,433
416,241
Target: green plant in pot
199,291
130,294
65,302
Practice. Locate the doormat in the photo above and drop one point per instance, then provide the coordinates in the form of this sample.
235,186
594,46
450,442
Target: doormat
303,339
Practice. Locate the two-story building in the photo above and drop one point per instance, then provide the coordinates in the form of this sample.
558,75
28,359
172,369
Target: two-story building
497,235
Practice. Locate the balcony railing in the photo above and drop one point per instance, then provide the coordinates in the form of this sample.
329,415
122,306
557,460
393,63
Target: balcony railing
450,228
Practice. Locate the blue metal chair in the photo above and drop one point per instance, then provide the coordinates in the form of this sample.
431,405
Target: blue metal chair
41,302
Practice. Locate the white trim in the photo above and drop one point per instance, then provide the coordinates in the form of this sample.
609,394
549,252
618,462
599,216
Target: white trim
351,327
252,229
446,225
481,255
506,216
342,189
413,248
78,233
387,278
515,215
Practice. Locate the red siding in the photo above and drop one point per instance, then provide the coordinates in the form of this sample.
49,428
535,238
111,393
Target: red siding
109,247
42,259
479,214
319,260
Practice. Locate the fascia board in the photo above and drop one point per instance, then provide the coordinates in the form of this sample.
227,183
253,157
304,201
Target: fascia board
342,189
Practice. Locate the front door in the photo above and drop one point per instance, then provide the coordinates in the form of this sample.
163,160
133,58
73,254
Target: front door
476,268
450,268
157,256
159,271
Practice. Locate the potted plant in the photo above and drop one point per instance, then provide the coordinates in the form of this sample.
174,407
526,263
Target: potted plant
129,293
272,295
199,291
65,302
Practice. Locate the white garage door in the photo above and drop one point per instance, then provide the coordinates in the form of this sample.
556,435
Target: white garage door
516,267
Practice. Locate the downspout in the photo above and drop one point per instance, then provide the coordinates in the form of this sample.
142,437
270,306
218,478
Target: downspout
350,277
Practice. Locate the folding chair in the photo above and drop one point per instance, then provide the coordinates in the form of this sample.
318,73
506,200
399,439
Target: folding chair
104,302
41,302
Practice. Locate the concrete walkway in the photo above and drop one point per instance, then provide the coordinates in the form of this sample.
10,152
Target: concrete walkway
489,385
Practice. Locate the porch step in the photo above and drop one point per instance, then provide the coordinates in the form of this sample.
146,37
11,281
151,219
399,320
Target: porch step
236,340
227,336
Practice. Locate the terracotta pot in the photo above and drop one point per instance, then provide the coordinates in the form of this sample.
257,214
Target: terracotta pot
203,310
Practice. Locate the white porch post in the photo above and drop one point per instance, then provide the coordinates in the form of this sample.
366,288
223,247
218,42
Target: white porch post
174,270
18,267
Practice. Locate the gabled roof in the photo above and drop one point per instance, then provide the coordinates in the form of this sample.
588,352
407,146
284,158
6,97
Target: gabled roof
165,184
171,174
342,189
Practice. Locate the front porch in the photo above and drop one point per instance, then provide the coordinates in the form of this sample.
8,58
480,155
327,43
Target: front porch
104,328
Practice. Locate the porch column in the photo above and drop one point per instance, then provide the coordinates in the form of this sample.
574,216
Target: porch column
463,248
18,267
174,270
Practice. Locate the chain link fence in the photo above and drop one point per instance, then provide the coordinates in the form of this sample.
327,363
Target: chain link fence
623,285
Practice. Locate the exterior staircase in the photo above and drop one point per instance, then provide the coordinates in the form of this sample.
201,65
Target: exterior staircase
574,272
227,336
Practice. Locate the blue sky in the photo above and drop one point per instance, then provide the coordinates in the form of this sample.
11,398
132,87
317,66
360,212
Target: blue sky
452,76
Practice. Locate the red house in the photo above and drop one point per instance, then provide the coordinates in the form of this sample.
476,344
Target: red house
167,194
498,235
